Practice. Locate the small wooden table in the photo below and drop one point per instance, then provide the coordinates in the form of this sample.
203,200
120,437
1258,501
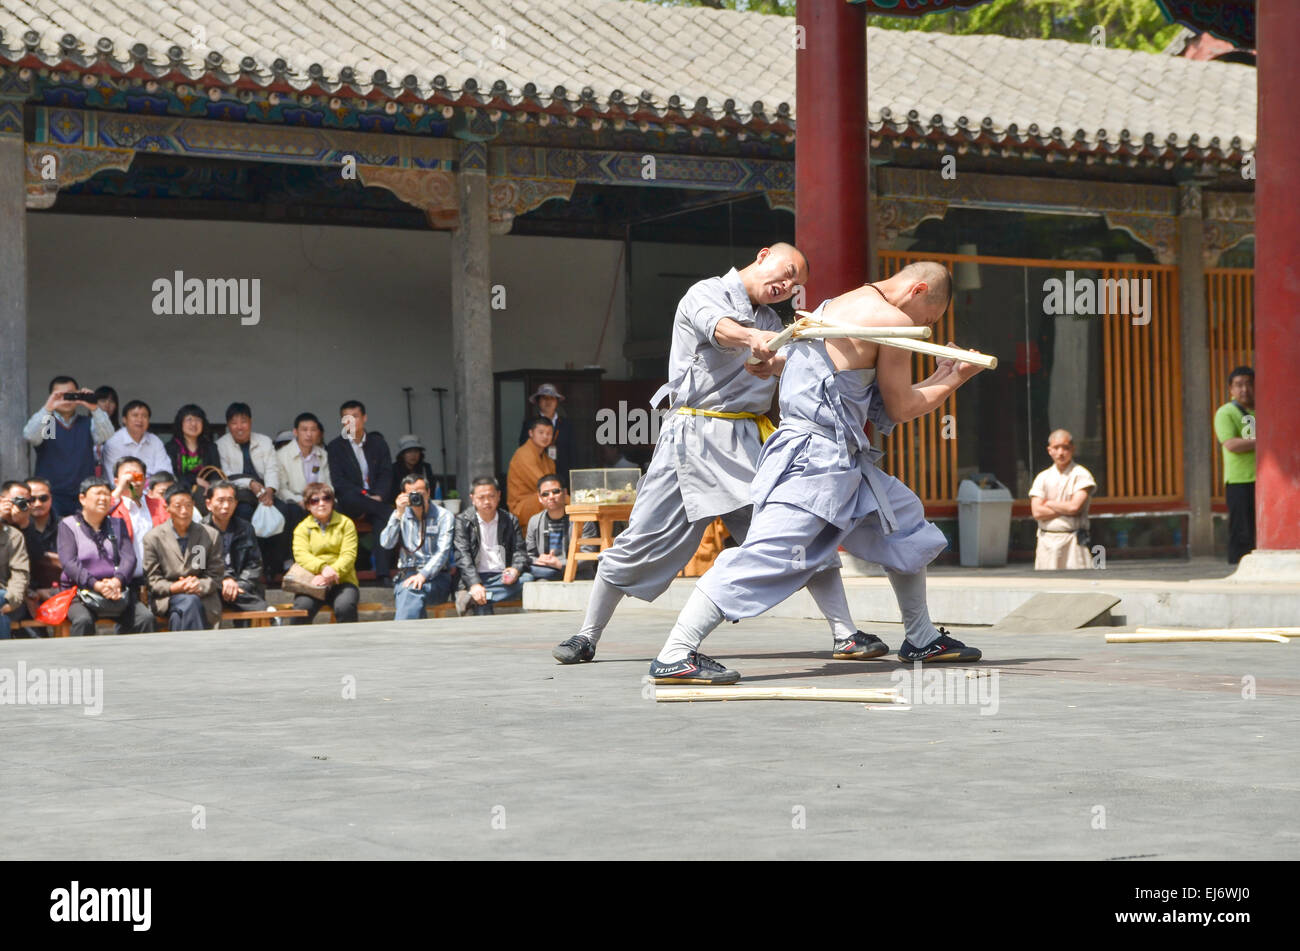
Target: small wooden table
604,515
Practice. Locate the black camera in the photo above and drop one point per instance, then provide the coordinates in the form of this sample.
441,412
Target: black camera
80,396
21,503
416,499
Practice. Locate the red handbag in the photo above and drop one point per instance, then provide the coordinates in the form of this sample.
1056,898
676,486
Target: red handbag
55,610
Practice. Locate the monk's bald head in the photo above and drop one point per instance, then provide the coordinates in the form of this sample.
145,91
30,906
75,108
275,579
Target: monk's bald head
938,283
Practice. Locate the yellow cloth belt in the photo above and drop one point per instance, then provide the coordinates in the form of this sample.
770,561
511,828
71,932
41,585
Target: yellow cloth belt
765,426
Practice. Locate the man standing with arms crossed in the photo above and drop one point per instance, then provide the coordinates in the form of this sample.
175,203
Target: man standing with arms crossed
708,449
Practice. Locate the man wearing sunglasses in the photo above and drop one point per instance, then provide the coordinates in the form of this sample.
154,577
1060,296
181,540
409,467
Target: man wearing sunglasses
42,537
547,538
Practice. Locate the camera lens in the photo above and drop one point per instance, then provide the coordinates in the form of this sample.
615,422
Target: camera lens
417,498
21,503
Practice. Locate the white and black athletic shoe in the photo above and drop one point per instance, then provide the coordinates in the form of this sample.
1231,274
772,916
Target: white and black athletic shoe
944,649
861,646
695,669
576,650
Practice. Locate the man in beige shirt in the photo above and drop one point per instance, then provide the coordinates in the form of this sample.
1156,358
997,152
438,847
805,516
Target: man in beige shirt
1059,500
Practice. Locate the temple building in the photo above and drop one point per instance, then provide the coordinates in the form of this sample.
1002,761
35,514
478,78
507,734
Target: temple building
294,203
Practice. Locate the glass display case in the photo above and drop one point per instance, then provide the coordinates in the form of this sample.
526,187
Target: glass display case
603,486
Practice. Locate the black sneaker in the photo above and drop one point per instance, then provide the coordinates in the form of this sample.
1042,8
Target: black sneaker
861,646
943,649
695,669
576,650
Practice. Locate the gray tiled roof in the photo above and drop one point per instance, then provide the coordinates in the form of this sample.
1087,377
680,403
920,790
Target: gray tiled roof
635,47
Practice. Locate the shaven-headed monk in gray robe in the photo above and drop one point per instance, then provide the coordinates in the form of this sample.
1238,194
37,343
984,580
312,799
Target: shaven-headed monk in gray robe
708,449
818,487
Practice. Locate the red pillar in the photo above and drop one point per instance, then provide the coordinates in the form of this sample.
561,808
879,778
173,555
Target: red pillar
1277,278
831,145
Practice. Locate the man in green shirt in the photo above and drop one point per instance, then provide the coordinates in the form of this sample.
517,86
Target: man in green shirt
1234,427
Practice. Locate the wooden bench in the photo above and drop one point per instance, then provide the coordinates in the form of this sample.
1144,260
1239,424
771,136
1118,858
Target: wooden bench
448,608
255,619
363,607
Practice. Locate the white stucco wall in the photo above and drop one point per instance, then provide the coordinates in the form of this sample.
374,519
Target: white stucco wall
345,313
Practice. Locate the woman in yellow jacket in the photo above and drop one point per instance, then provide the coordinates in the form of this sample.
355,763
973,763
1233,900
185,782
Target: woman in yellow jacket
325,543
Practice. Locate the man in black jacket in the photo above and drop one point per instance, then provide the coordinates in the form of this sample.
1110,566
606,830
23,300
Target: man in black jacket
361,468
241,586
490,551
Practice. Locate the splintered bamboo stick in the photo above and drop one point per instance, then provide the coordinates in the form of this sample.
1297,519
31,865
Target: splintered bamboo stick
1282,631
1168,637
900,337
849,694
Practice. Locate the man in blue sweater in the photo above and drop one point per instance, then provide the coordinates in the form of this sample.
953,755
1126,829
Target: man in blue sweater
64,432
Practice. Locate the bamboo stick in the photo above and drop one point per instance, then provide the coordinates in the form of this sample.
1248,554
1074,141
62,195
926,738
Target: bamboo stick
900,337
1280,631
855,695
1163,638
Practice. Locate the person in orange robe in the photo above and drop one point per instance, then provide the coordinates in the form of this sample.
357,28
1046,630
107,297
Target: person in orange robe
529,463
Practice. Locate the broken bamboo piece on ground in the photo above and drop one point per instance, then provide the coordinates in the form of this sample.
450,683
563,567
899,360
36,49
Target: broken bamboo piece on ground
1282,631
1194,636
847,694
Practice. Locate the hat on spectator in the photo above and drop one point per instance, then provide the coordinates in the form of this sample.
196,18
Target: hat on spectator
409,441
546,389
285,436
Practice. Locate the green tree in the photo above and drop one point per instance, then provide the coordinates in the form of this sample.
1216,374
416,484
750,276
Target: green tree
1128,24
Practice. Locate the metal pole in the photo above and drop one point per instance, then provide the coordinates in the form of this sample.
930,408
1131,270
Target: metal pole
407,390
442,432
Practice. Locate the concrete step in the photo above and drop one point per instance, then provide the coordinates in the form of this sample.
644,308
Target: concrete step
982,600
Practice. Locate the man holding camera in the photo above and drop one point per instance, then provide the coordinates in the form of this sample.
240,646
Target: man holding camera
15,559
422,533
64,432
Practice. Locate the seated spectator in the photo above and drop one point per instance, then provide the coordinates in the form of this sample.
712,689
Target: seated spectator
15,574
136,510
490,552
107,399
134,439
249,461
42,537
241,584
64,433
99,560
613,456
183,562
159,484
191,448
326,545
301,461
547,540
529,463
15,505
422,534
362,469
410,461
